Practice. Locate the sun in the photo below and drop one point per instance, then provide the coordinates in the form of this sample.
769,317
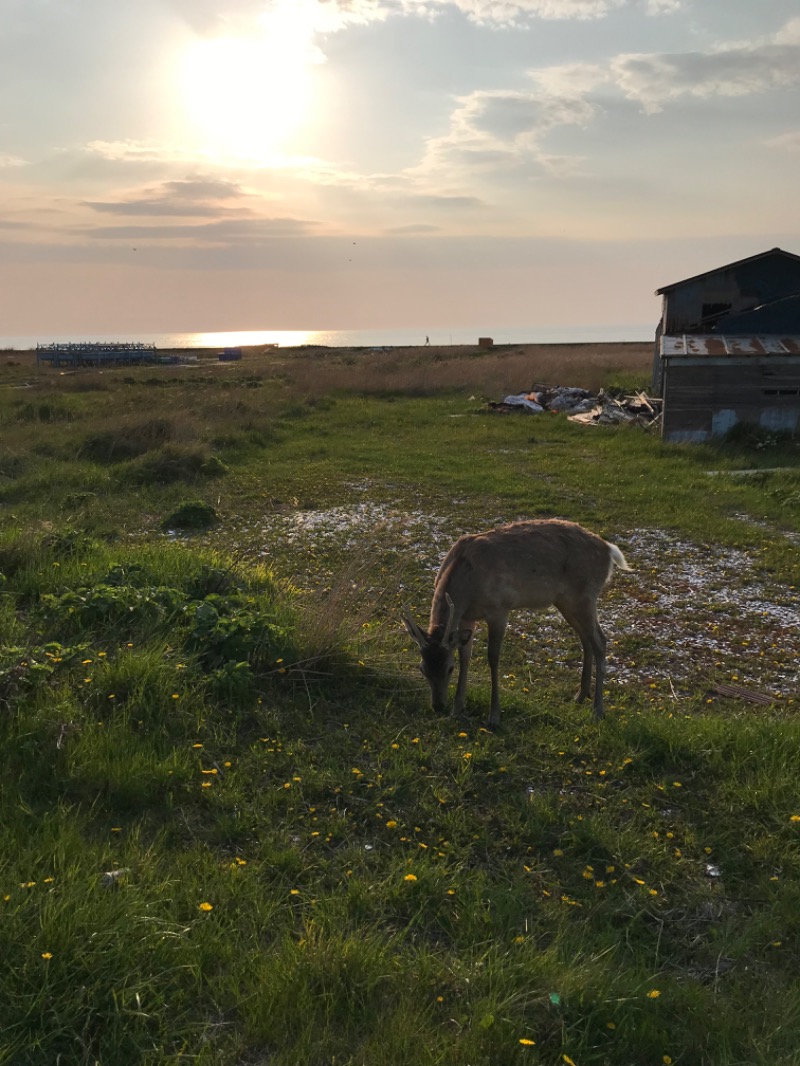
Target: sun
244,98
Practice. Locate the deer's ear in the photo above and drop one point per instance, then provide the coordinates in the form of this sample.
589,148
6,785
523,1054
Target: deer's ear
413,629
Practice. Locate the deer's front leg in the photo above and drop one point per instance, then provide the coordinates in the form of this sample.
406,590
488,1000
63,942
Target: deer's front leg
497,629
465,635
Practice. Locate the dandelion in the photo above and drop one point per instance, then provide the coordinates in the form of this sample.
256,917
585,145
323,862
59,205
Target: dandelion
47,954
391,824
667,1060
527,1043
176,695
294,891
410,877
205,907
568,1060
654,993
795,818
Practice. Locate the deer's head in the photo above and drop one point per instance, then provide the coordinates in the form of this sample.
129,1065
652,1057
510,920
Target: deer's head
437,649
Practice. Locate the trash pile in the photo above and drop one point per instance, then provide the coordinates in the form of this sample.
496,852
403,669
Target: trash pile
580,405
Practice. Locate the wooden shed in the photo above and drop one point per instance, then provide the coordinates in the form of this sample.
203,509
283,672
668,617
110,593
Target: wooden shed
728,348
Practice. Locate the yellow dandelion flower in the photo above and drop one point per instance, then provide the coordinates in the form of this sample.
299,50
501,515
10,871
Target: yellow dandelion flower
527,1043
205,906
654,993
47,954
294,891
795,818
568,1060
410,877
391,824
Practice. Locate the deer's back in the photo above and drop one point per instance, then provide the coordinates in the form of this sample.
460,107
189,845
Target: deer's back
529,564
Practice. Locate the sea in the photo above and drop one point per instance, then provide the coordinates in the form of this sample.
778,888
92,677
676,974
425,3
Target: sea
350,338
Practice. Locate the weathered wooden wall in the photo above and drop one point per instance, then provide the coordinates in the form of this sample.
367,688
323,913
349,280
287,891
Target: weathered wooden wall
704,397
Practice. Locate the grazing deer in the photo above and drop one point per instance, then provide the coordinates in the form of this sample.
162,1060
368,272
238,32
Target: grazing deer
531,565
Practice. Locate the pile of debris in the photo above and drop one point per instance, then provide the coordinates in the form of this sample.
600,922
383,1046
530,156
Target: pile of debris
580,405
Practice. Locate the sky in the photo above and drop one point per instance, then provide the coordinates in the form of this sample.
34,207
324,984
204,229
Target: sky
357,164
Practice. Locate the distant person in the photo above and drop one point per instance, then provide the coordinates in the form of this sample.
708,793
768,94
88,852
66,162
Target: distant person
427,341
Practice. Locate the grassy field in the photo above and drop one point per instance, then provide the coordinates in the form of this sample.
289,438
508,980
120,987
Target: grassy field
233,831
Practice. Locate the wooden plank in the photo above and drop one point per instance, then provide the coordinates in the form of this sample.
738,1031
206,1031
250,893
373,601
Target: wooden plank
736,692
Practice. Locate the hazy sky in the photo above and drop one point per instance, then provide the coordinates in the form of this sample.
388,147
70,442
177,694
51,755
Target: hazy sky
346,164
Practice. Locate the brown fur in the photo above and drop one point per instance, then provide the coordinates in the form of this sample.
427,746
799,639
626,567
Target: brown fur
532,565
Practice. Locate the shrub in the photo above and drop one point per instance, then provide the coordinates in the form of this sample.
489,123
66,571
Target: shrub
174,463
192,514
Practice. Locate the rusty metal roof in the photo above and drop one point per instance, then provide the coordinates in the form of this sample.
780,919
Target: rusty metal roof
717,345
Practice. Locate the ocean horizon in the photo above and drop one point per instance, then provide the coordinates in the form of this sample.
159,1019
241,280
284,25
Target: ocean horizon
358,338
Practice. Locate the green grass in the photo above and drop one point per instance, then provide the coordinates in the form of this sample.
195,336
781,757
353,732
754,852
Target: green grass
233,833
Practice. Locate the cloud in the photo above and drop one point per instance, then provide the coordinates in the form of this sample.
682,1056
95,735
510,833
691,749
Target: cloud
8,161
224,232
411,230
336,14
499,129
134,151
733,69
787,142
195,197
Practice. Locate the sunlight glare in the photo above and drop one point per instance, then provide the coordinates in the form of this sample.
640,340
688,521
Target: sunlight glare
246,96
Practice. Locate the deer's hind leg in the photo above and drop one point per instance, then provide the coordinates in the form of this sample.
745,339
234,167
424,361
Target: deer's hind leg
582,616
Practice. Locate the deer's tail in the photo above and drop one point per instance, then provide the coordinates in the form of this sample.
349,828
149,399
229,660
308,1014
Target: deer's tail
617,558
